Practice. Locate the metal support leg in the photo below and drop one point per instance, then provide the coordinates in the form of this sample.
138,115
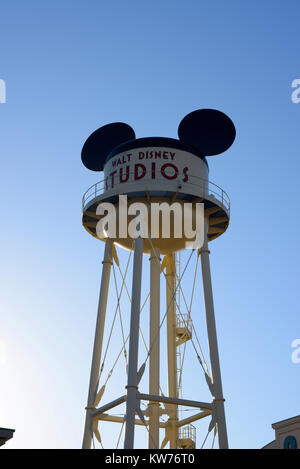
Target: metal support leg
154,344
213,343
132,385
171,340
107,263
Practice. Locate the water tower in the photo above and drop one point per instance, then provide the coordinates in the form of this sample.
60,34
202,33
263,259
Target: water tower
157,170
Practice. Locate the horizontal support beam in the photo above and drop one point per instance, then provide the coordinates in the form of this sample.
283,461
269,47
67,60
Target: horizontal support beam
93,215
114,418
212,210
109,406
175,401
193,418
215,230
217,220
90,224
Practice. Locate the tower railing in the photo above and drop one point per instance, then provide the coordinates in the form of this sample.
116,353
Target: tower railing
209,189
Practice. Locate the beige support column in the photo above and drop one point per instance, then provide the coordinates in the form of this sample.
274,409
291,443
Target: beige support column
132,381
213,343
95,368
154,342
171,343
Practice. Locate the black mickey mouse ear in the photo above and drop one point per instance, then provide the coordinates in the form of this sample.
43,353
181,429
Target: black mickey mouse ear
208,130
101,142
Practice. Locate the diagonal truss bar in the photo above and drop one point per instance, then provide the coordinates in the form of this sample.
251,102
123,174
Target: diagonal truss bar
117,419
193,418
114,318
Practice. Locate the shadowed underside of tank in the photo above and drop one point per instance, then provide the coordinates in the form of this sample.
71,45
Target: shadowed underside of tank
214,211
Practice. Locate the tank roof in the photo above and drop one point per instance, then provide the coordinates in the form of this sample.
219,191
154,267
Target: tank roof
155,142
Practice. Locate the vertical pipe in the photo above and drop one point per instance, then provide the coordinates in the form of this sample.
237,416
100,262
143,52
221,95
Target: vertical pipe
132,384
107,263
171,343
154,341
213,343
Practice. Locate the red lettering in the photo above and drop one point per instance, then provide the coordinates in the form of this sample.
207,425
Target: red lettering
127,174
138,176
153,170
112,178
186,177
170,165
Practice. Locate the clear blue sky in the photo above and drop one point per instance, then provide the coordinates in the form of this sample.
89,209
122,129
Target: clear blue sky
71,67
